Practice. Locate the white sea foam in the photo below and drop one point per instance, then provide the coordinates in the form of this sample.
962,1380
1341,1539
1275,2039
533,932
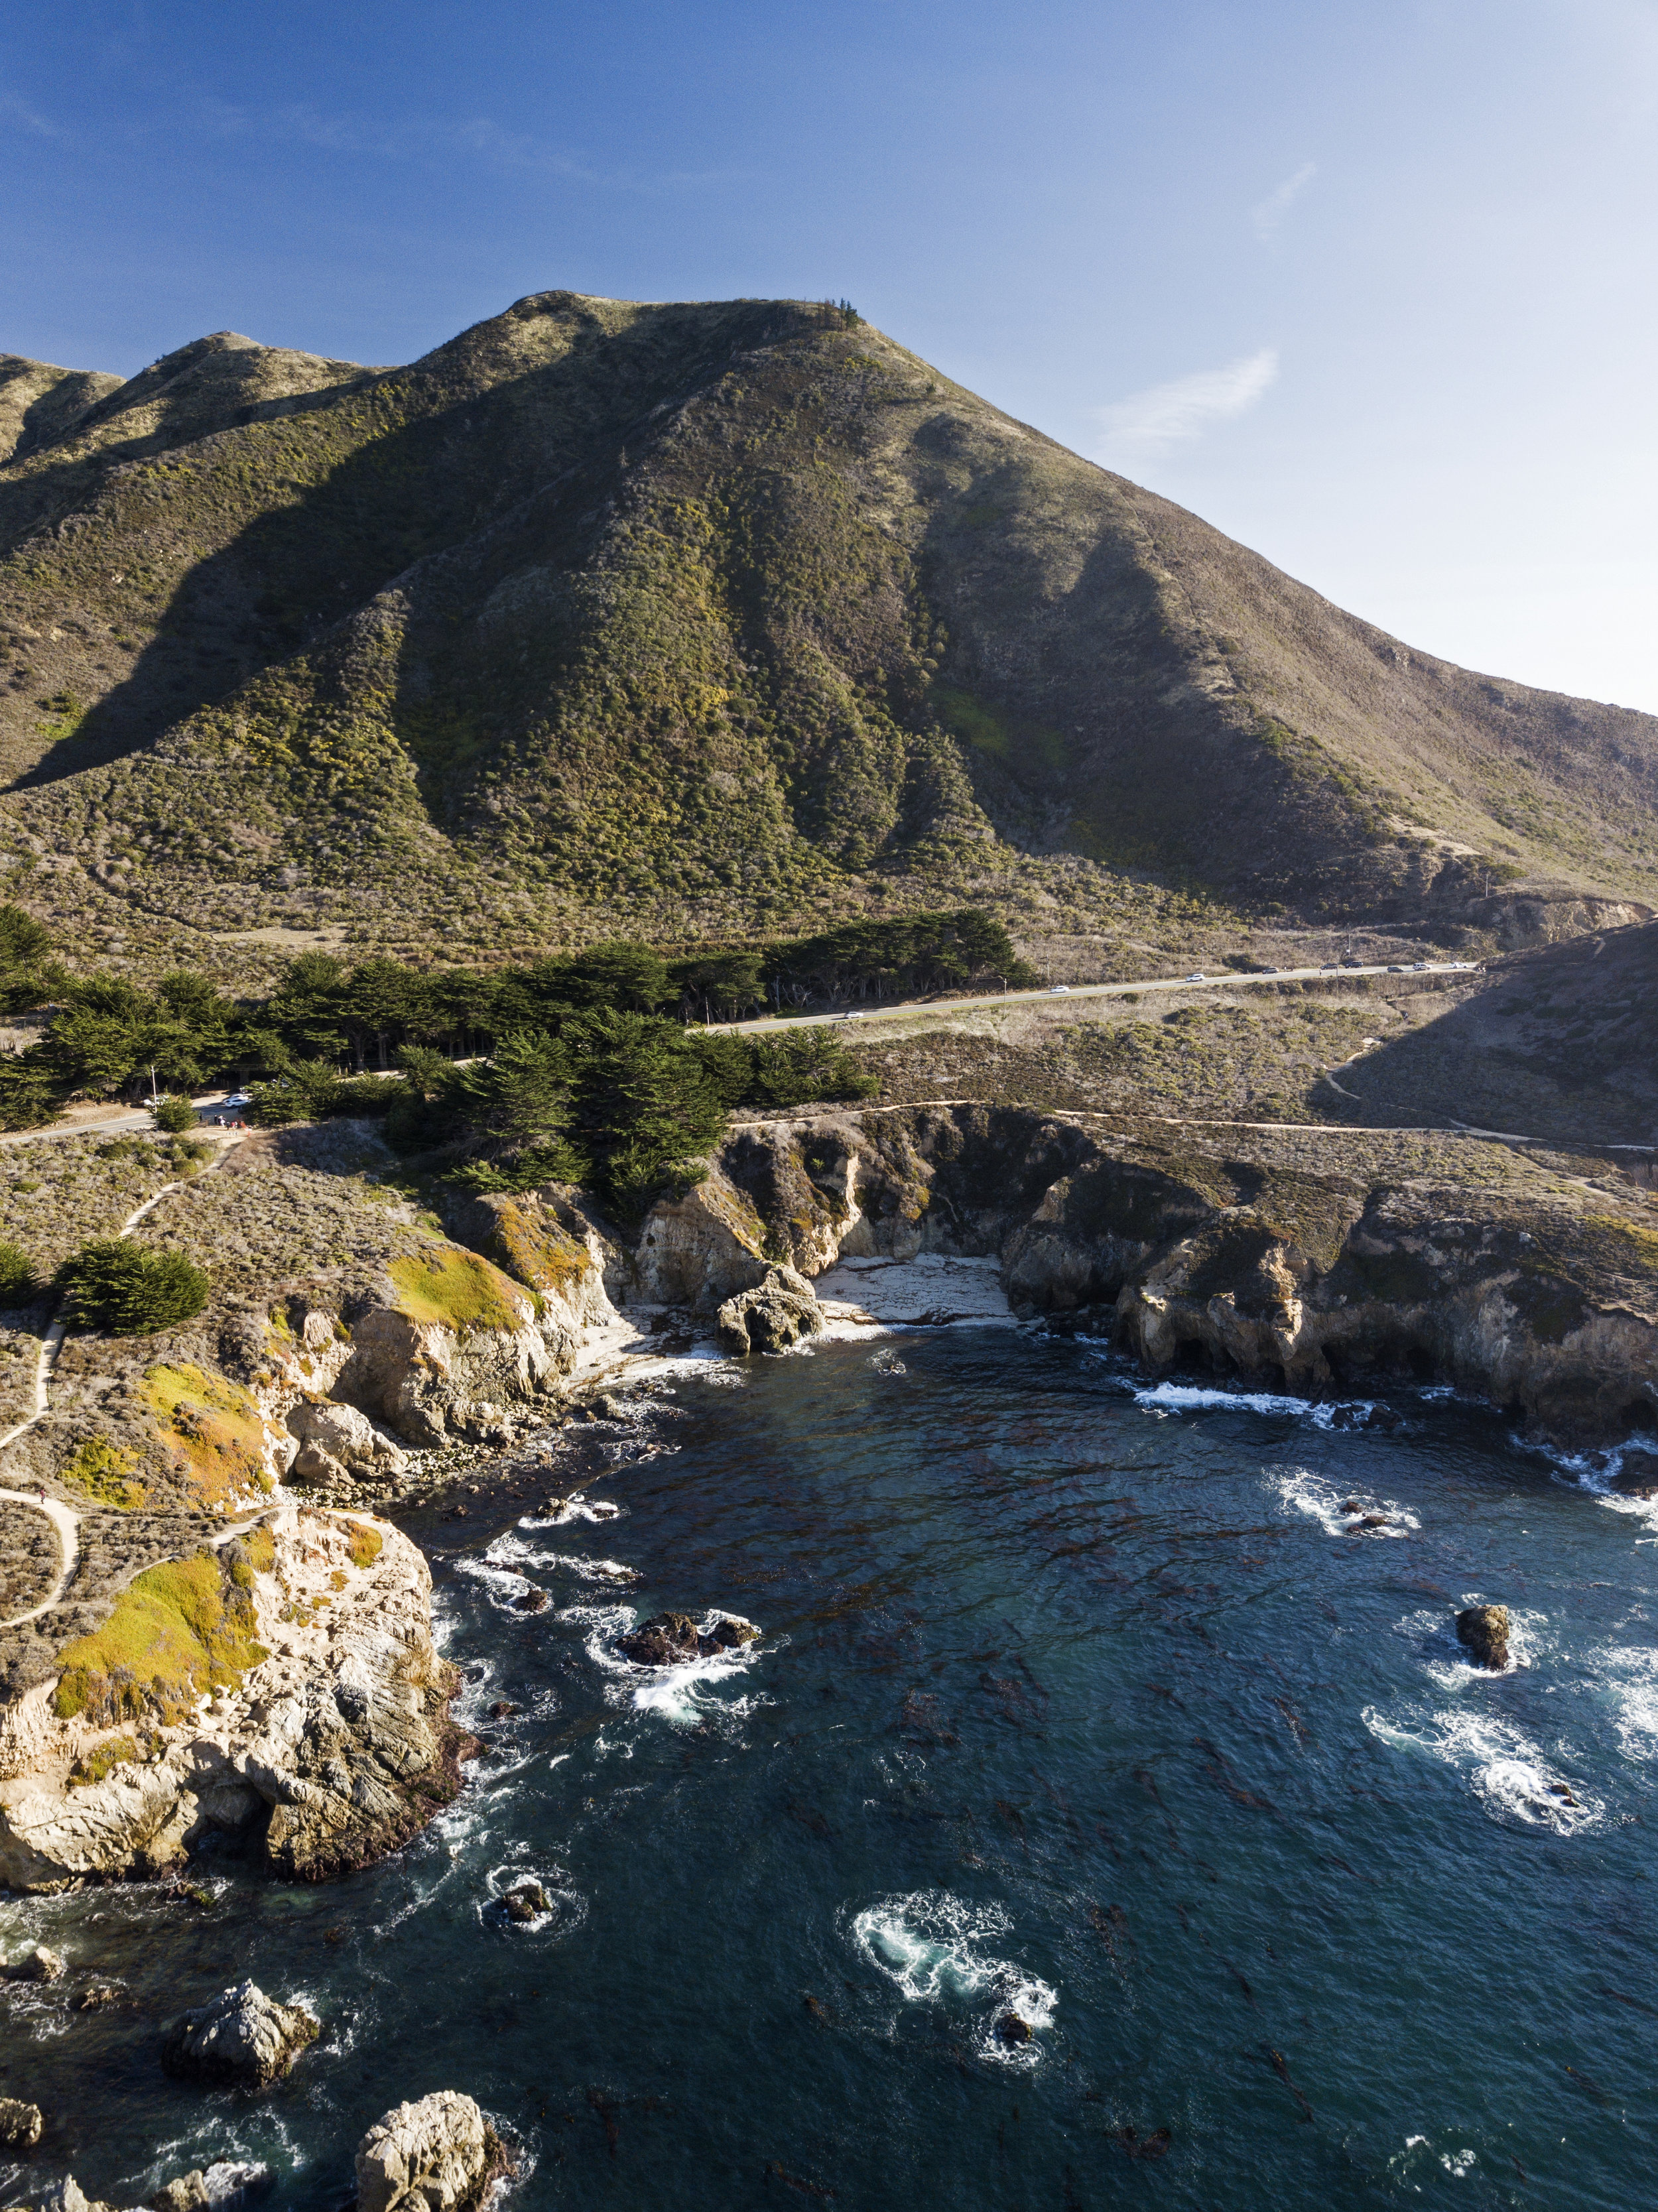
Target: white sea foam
938,1950
573,1509
1196,1397
1299,1488
1513,1777
1628,1675
511,1550
680,1694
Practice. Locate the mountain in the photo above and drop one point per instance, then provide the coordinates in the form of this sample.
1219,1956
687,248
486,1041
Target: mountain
701,617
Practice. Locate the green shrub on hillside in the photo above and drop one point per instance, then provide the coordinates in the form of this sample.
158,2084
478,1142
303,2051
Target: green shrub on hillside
174,1116
18,1281
112,1285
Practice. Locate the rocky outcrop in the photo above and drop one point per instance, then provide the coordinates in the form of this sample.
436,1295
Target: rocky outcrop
39,1965
549,1240
329,1748
225,2186
336,1441
241,2036
1484,1632
438,2155
1313,1259
20,2124
672,1639
774,1314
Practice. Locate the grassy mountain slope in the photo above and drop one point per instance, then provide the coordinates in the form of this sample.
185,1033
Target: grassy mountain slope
703,617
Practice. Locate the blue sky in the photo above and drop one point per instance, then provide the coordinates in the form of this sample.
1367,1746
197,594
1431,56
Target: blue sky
1372,287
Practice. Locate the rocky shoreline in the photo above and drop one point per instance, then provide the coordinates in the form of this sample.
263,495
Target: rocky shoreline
311,1727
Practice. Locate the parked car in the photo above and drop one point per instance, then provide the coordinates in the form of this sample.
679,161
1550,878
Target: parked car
1418,966
1328,968
1059,990
239,1098
1196,977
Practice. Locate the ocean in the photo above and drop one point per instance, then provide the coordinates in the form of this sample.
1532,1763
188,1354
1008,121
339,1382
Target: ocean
1106,1815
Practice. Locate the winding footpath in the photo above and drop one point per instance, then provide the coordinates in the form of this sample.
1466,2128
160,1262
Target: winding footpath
64,1518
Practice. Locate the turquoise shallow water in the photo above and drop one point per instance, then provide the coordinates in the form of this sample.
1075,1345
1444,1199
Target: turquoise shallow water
1074,1702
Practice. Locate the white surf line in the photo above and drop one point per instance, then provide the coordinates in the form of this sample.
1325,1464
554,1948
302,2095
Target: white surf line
63,1518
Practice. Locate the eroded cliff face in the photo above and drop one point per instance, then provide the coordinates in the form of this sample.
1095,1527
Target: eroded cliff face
313,1730
1309,1258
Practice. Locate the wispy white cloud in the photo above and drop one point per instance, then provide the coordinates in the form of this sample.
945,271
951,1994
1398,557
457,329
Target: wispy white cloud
1266,215
1172,414
422,138
17,111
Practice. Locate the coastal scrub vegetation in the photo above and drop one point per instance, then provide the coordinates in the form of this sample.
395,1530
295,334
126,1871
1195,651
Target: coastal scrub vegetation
116,1287
18,1283
177,1631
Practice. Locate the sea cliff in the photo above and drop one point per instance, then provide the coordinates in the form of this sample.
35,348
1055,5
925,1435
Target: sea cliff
213,1637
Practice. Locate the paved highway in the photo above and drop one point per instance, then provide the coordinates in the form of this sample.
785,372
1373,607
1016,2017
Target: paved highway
1196,981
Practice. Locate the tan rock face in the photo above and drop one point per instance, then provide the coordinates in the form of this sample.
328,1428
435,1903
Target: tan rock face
240,2036
436,2155
338,1743
774,1314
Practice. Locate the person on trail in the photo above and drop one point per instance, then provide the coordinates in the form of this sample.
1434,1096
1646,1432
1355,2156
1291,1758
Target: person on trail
41,1487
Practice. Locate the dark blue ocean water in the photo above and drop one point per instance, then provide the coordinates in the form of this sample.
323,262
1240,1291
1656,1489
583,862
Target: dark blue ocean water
1072,1703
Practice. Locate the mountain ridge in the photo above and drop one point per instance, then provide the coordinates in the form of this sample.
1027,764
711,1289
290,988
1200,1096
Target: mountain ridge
700,617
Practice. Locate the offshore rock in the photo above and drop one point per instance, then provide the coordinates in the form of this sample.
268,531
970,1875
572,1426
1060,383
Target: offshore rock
438,2155
224,2187
669,1640
329,1751
39,1965
672,1639
241,2036
772,1315
1484,1629
20,2124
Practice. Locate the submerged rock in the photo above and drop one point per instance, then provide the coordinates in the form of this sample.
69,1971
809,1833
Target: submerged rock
1012,2030
438,2155
1484,1629
241,2036
771,1316
531,1600
39,1965
20,2124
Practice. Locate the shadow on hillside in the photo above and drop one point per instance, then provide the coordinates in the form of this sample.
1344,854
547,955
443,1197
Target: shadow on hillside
293,572
1561,1043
